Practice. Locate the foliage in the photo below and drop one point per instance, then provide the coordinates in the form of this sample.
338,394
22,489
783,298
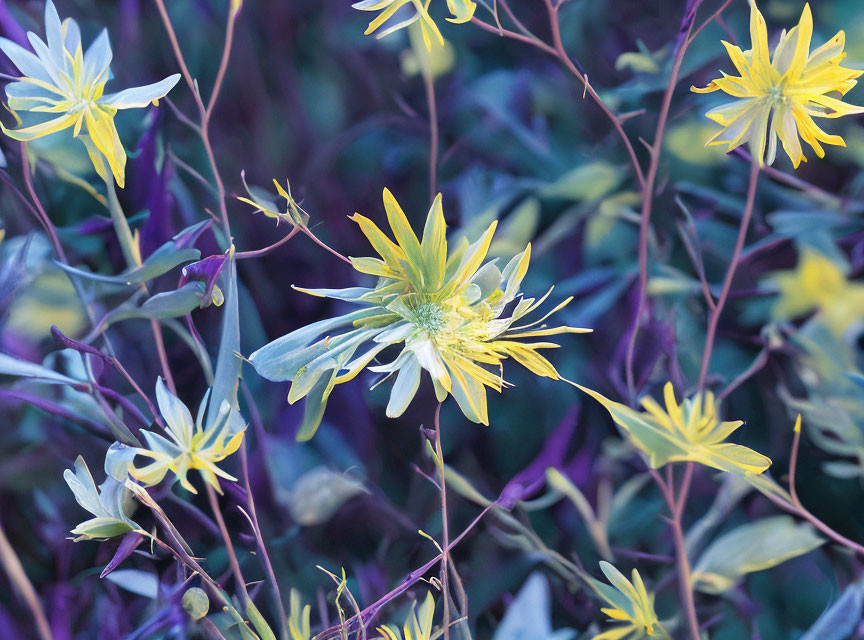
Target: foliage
643,481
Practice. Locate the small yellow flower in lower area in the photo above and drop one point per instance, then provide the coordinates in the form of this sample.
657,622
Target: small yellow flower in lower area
691,431
818,283
418,625
630,603
66,83
189,445
780,96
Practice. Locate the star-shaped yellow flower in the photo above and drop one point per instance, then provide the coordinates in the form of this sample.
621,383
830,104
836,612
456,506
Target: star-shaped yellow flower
778,97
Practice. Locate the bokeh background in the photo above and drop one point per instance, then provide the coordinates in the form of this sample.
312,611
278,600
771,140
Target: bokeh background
309,98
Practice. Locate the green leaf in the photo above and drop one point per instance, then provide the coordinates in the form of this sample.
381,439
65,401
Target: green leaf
258,621
10,366
160,262
755,546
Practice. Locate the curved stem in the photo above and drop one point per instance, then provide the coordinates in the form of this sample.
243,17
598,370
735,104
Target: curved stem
410,580
429,84
445,534
257,253
561,54
648,197
226,538
676,505
714,317
17,576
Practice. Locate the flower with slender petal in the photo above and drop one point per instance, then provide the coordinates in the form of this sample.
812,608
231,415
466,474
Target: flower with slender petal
630,603
188,445
418,625
111,504
778,97
453,316
690,431
67,84
398,14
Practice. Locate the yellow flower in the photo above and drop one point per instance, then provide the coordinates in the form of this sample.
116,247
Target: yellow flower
63,80
265,202
190,446
630,603
691,431
411,11
818,284
784,92
418,625
298,618
452,314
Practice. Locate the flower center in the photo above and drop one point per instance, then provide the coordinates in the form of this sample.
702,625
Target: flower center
429,317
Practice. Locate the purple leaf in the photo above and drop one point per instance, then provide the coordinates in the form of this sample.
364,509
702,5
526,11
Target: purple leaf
128,544
532,477
80,347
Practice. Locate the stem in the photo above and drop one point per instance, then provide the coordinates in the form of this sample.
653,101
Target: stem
229,546
676,510
19,579
42,216
205,112
257,253
315,239
132,255
714,317
445,556
561,54
263,557
410,580
429,83
648,193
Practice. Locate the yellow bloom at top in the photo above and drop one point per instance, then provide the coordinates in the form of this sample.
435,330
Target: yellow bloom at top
67,83
818,284
398,14
690,431
778,97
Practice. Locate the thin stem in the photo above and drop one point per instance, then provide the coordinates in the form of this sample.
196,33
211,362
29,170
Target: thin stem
429,84
648,197
410,580
793,461
205,112
257,253
263,557
315,239
226,538
132,254
22,583
714,317
41,215
138,390
445,556
558,51
40,210
676,507
800,511
561,54
506,33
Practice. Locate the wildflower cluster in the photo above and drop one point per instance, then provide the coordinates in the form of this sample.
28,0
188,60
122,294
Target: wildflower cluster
138,314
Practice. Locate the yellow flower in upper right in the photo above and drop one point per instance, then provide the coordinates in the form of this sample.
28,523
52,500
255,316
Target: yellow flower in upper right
784,93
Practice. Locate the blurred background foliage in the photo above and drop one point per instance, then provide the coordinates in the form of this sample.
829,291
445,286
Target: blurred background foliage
308,97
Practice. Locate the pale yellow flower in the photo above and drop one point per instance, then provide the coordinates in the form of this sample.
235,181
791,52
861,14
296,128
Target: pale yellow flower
778,97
